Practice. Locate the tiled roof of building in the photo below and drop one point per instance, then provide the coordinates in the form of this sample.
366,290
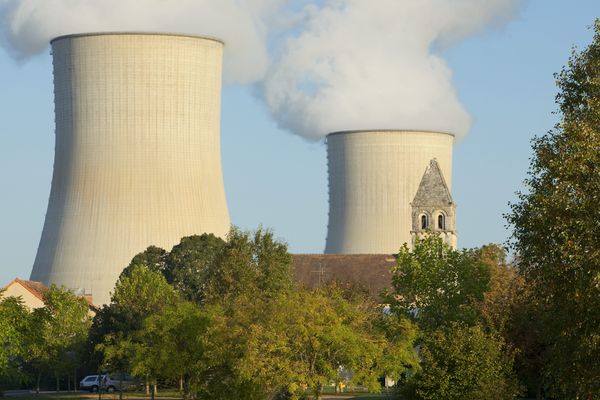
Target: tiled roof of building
38,289
369,270
35,288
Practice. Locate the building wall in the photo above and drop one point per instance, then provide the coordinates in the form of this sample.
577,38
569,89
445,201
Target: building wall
29,299
137,159
373,177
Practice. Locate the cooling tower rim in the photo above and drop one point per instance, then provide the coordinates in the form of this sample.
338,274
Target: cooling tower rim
140,33
389,131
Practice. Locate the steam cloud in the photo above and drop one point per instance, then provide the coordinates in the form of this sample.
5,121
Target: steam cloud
320,65
28,25
359,64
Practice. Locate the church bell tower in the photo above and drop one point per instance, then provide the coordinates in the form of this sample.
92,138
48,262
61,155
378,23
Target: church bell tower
433,210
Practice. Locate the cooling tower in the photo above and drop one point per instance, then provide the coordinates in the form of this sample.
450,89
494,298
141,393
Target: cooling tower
137,156
373,177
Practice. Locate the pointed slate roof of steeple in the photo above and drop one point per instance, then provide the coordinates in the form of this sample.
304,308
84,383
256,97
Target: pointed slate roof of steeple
433,190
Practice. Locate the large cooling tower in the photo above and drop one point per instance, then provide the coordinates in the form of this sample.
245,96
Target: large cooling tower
373,177
137,158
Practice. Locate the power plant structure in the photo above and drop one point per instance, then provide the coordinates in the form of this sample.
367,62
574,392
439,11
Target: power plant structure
138,163
137,156
386,188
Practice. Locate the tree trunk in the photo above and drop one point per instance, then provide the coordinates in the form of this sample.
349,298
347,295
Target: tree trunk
37,386
57,384
147,386
154,388
181,384
153,392
121,386
318,390
187,389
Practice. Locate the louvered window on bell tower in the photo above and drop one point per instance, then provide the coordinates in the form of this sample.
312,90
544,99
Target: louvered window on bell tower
441,222
424,222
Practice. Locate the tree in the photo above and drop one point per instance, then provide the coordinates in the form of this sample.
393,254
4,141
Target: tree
153,257
172,344
507,310
188,262
505,289
253,264
435,284
141,293
138,294
463,363
309,339
398,358
62,327
15,325
556,233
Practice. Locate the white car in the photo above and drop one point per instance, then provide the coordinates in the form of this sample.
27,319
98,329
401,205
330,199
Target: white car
91,383
108,382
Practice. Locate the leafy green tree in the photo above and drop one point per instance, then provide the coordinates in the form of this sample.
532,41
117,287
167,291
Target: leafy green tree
63,325
398,357
304,338
505,289
507,310
253,264
188,262
172,344
38,358
434,284
15,325
153,257
249,269
139,294
556,232
524,333
461,362
245,330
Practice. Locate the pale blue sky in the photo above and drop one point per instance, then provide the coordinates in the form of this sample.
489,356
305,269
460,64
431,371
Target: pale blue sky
503,77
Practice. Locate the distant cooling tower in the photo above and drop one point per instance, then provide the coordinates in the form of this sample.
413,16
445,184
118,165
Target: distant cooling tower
373,178
137,159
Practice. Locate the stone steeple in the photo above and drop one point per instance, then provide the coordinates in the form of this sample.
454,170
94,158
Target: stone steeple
433,210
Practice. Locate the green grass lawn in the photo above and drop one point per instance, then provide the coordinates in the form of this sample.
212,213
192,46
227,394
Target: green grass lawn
166,394
170,394
363,396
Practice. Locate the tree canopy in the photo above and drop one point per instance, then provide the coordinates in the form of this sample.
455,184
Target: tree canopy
434,284
138,294
15,326
464,363
188,263
153,257
556,229
251,263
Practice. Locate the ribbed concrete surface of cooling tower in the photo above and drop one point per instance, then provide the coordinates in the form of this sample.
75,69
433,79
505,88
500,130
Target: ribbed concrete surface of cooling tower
373,177
137,158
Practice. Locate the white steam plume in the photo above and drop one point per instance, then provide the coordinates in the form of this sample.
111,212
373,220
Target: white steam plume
375,64
28,25
338,64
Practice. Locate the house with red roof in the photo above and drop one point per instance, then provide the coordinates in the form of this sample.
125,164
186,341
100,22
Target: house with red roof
32,293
